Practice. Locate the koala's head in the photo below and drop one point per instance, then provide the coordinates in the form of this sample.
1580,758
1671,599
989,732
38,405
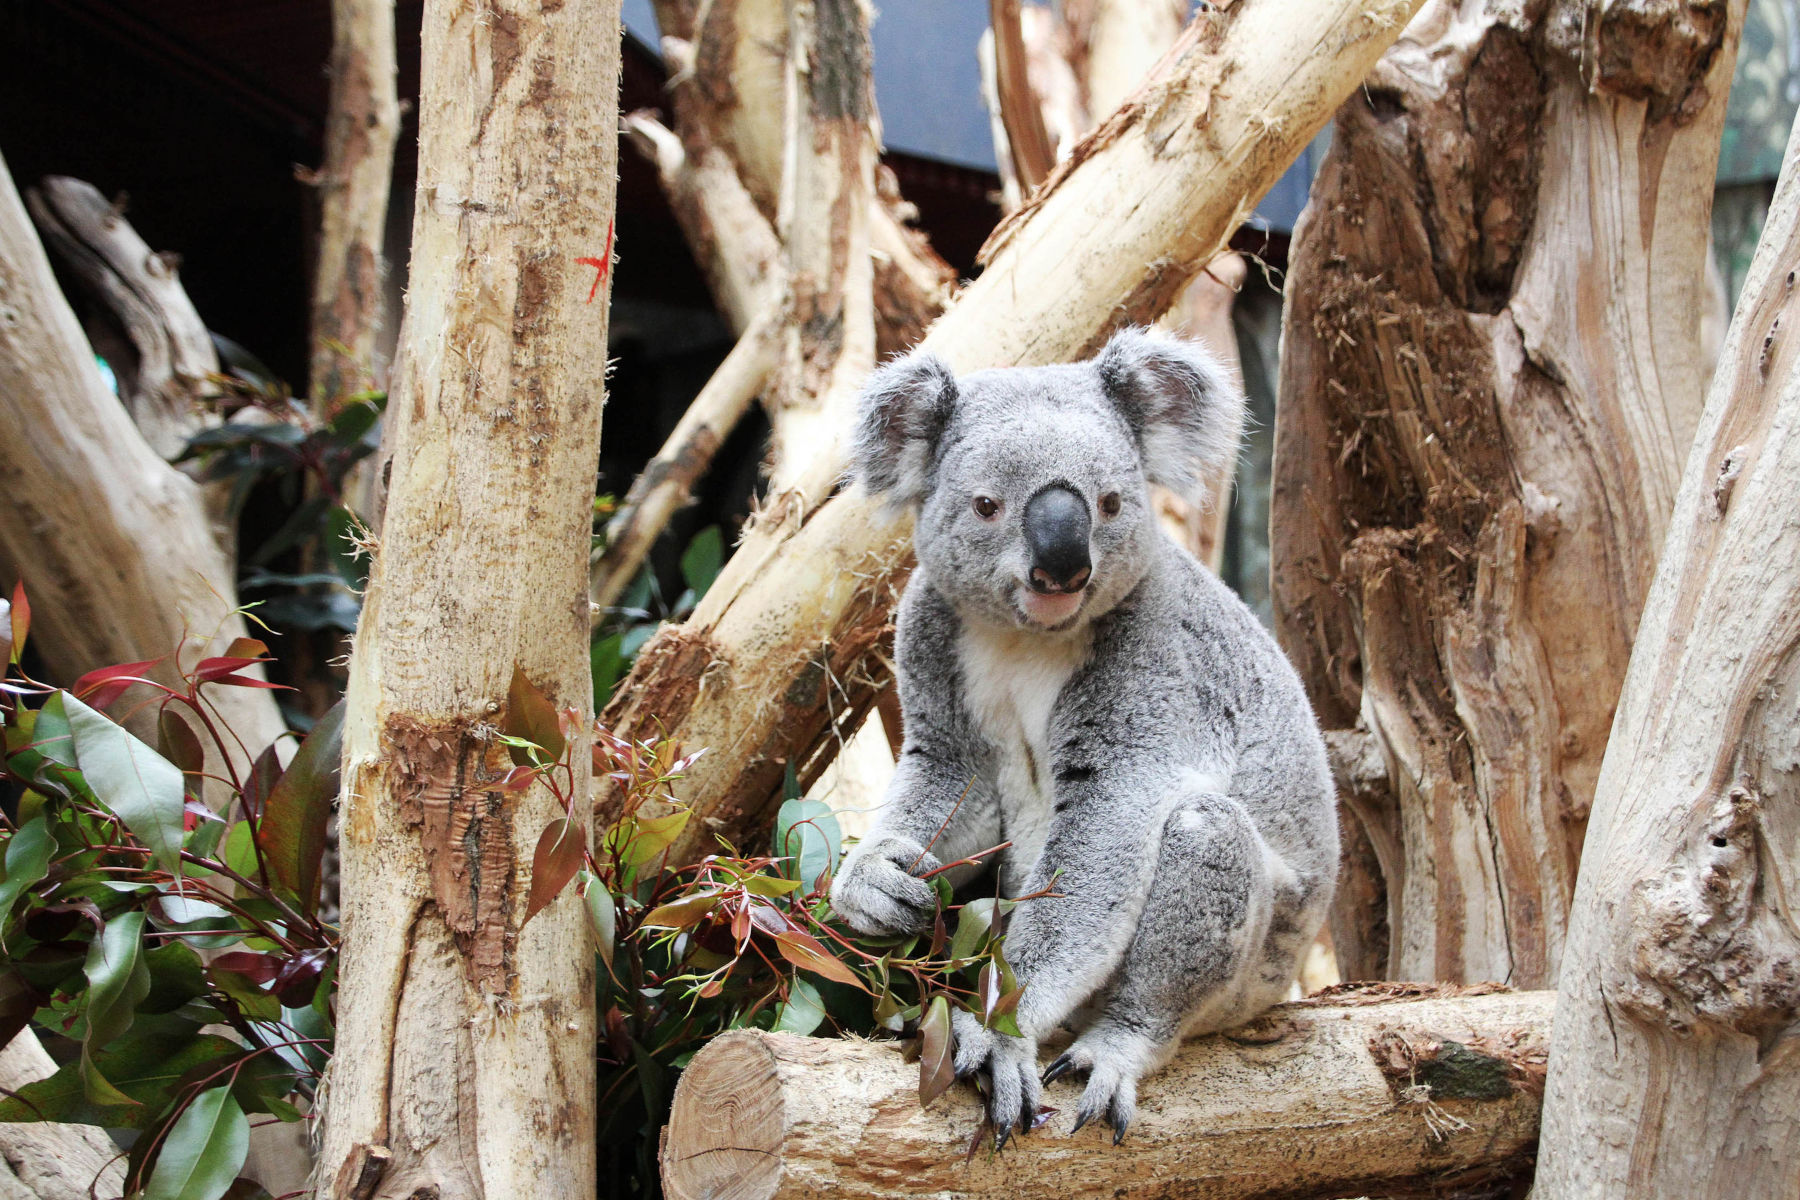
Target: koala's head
1032,485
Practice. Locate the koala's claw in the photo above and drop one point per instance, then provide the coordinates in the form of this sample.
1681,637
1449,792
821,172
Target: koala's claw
1008,1066
1110,1090
1059,1067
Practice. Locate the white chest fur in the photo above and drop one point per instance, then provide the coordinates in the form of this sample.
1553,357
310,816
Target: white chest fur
1011,682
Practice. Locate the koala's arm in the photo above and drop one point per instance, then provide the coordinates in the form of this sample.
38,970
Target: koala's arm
937,809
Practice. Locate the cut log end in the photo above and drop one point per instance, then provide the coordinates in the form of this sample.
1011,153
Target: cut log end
732,1115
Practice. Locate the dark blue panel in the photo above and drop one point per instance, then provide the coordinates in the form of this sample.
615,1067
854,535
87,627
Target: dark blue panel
928,80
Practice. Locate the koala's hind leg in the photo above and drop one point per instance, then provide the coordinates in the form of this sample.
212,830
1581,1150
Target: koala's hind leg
1198,951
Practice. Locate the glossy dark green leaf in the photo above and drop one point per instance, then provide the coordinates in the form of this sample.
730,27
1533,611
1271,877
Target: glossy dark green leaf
144,1069
602,915
203,1151
176,977
808,836
937,1060
142,787
973,925
803,1011
291,833
702,560
51,735
27,861
531,715
118,978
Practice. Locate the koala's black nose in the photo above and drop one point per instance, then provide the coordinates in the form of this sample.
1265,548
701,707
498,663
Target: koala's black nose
1056,530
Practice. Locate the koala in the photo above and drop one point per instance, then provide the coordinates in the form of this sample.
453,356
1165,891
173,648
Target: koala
1075,683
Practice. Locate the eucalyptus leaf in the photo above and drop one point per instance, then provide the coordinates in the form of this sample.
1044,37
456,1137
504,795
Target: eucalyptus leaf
804,1010
808,835
27,861
203,1151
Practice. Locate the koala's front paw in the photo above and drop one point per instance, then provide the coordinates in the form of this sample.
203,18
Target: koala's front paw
1010,1065
879,892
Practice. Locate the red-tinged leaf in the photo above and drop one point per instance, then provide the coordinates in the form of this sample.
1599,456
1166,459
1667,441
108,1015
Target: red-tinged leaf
516,780
176,742
937,1060
740,925
291,834
248,682
712,988
568,721
298,978
100,688
680,914
561,850
257,968
21,620
264,773
530,715
770,919
248,648
210,670
804,951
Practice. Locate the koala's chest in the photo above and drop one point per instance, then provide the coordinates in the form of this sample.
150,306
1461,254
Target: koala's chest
1012,682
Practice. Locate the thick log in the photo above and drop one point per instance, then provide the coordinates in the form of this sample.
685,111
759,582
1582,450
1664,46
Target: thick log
360,131
1490,371
41,1161
144,323
464,1063
1362,1092
1675,1069
114,545
782,649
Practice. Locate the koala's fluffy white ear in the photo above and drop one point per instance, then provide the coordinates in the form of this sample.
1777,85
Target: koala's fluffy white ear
1180,401
900,416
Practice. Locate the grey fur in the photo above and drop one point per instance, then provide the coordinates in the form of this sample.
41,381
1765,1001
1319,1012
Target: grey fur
1152,750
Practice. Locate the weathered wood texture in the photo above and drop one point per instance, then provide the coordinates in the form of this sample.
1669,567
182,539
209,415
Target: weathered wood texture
362,126
779,653
1490,372
114,545
827,193
141,320
1339,1096
1675,1069
45,1161
465,1048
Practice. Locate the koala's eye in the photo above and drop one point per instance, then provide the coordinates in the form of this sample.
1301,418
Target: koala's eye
986,507
1109,504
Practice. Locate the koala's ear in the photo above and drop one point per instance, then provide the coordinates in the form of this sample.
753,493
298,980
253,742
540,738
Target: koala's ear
900,417
1180,402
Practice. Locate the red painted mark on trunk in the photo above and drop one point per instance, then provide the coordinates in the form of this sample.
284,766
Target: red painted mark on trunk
601,265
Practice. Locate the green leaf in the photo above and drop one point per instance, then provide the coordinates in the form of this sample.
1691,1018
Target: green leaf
52,735
561,849
679,914
203,1151
531,715
606,663
642,839
937,1061
769,885
807,834
117,978
142,1071
291,833
176,977
602,915
27,861
803,1011
701,561
142,787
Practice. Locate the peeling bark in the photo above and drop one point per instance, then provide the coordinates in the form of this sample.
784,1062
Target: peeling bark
1351,1093
1490,371
814,575
1676,1073
464,1064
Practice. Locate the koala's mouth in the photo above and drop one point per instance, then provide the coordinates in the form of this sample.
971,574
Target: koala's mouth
1049,610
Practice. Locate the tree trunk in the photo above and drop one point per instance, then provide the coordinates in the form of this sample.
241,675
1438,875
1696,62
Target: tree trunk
1677,1073
363,124
1490,372
828,189
113,544
777,658
465,1053
1346,1094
